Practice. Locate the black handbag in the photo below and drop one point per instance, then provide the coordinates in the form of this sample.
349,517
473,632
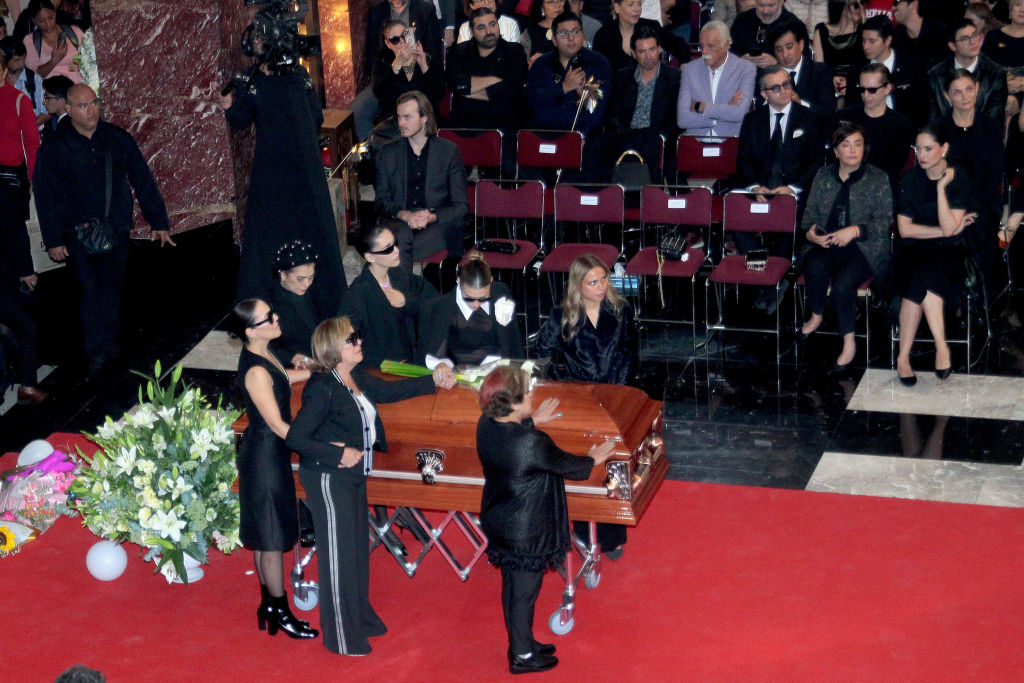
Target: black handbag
673,244
96,235
631,171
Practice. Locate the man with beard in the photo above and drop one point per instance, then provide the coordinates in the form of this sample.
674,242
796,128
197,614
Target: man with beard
717,88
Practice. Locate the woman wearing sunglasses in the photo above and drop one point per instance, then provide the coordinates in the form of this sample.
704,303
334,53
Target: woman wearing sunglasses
402,67
384,301
268,523
335,433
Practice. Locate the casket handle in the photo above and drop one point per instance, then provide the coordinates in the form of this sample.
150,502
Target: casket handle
430,462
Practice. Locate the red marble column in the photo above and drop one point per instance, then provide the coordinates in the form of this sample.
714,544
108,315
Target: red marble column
343,37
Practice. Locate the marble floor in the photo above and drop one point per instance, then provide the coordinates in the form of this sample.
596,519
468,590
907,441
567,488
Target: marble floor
733,413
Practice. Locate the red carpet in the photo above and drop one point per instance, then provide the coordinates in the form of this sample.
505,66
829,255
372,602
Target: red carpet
717,583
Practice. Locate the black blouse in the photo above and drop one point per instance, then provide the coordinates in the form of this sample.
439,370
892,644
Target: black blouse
919,197
606,353
298,317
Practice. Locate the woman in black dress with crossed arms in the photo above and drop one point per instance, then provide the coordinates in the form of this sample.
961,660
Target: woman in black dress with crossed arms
269,522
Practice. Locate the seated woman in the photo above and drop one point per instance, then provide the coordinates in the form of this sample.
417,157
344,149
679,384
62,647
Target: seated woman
508,27
335,434
932,213
474,323
591,337
538,31
384,302
846,223
523,510
837,43
297,309
268,523
402,68
613,39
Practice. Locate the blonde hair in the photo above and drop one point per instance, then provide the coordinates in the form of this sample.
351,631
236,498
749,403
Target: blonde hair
572,304
328,340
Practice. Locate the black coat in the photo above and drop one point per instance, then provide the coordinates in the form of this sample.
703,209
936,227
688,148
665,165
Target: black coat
330,413
504,105
423,18
992,90
523,509
801,148
910,94
746,28
440,314
298,317
606,353
663,104
388,333
814,86
389,86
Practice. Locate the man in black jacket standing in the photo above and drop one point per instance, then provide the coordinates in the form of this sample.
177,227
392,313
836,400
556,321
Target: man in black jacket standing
70,187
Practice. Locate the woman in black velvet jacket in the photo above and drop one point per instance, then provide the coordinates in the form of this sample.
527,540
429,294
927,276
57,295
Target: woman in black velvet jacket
335,434
293,301
523,510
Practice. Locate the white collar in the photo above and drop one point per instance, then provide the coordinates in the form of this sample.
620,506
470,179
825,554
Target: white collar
890,62
796,69
971,68
719,69
464,307
784,111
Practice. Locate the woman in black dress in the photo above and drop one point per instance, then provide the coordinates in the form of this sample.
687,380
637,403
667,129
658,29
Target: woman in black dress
384,301
402,68
523,509
266,488
591,337
538,31
288,196
335,433
613,39
846,223
296,307
932,214
837,43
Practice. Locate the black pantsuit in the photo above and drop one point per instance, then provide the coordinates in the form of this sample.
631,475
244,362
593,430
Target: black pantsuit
99,281
846,268
519,591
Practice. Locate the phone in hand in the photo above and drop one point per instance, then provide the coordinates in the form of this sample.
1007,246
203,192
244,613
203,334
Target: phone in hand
754,52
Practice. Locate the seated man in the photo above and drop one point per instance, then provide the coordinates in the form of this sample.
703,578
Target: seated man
55,99
889,134
556,81
909,92
965,44
812,80
643,106
474,323
925,37
750,31
507,26
717,88
420,186
486,76
780,150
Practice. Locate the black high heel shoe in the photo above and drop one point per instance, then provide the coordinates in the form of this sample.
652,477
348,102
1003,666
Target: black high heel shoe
907,381
944,373
277,616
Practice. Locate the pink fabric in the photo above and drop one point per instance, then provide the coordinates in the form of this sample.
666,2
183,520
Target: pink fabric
66,67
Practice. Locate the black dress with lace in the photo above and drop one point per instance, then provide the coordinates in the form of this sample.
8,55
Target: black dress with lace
266,486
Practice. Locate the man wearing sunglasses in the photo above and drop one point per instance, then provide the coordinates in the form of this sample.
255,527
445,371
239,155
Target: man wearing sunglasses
965,44
909,91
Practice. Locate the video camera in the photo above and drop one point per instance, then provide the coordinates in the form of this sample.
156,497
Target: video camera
273,39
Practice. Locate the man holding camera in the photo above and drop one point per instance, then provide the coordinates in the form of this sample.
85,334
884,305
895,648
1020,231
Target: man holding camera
84,176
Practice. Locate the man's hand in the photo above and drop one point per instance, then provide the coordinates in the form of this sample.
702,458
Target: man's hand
839,83
164,236
30,281
738,97
58,254
417,220
783,189
574,80
760,61
449,37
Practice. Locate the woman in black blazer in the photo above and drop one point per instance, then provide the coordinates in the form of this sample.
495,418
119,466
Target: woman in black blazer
335,433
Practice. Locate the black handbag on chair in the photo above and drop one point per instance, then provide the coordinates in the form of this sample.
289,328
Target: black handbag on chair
96,235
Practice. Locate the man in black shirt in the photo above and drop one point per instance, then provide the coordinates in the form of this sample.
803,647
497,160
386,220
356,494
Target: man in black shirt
750,31
919,34
70,187
909,94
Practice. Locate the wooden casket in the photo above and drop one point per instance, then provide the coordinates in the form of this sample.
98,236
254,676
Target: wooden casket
432,462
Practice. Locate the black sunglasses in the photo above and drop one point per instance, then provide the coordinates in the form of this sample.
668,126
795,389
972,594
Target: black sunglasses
871,90
386,250
395,40
271,314
478,299
354,338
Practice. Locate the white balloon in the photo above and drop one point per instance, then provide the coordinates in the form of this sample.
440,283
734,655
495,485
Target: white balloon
34,452
106,560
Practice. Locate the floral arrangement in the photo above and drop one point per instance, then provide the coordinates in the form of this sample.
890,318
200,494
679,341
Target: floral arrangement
35,495
85,60
163,477
470,377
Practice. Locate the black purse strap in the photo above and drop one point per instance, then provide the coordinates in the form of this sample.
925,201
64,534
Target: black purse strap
110,185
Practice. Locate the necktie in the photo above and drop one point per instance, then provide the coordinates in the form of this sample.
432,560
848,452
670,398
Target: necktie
775,178
792,77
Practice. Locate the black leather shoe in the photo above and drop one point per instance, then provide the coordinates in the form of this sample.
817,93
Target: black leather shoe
908,381
837,370
277,616
543,648
534,664
944,374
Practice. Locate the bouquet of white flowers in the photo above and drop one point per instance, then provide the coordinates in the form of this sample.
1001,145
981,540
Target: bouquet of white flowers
163,477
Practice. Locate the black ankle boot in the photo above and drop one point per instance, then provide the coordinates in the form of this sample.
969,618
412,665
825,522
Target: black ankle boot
281,617
264,612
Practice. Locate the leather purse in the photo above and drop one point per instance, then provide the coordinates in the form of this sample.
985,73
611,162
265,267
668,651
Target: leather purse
95,235
631,171
757,259
673,244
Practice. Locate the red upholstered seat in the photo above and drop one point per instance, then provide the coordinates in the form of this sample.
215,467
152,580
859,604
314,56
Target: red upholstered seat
633,214
733,270
562,256
646,263
435,258
516,261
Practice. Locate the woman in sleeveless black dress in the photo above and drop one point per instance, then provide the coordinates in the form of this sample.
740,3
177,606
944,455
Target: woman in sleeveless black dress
268,522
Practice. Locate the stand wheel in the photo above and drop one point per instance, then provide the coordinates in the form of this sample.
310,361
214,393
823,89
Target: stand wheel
312,597
557,626
592,579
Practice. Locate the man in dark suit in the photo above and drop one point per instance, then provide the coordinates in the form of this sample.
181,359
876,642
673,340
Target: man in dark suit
750,31
909,94
813,80
420,186
780,150
965,44
55,99
643,106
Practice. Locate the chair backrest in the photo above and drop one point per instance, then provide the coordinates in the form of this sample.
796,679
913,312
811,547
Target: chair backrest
477,146
706,156
911,159
676,205
549,149
744,213
590,203
516,199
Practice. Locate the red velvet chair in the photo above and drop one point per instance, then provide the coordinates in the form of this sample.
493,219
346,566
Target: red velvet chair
708,159
554,150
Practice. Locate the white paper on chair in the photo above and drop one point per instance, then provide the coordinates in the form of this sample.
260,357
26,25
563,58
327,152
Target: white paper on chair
547,149
676,203
588,200
758,208
711,151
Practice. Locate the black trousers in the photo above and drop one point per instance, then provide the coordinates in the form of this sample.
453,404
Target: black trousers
415,245
14,316
100,279
609,536
846,268
338,504
519,591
